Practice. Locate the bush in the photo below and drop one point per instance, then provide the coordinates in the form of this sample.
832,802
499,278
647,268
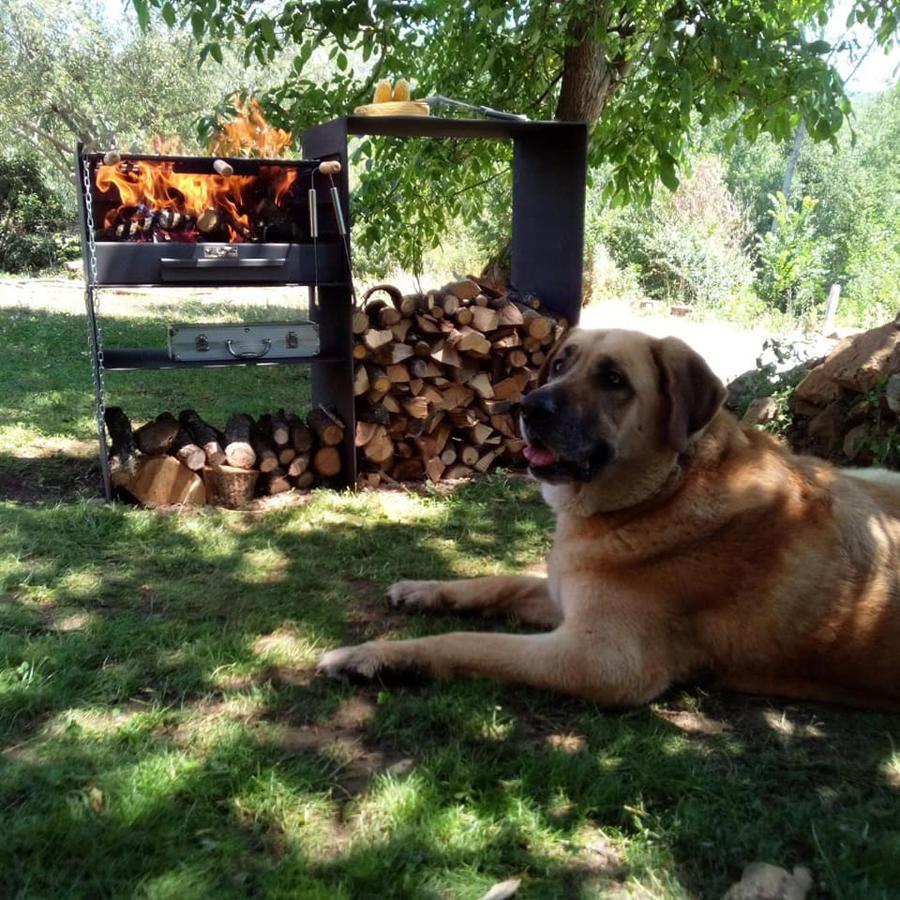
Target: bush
687,246
31,219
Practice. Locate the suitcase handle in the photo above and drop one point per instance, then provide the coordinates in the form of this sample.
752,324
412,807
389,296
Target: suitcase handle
249,354
251,263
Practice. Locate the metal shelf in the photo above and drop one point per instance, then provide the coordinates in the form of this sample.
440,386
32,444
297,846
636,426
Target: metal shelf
124,360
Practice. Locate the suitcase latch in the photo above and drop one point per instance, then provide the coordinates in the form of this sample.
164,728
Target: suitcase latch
220,251
201,342
292,342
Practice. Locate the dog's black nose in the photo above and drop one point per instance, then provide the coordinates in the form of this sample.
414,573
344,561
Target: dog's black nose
539,407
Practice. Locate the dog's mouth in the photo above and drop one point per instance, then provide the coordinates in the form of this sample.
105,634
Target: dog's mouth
548,464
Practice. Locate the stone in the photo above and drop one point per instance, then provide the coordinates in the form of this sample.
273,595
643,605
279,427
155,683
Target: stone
855,441
826,430
760,411
857,364
892,394
762,881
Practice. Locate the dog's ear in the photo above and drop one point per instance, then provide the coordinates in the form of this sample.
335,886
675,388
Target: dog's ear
693,393
544,371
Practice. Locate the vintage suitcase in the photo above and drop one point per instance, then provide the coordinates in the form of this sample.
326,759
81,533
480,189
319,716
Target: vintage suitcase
249,341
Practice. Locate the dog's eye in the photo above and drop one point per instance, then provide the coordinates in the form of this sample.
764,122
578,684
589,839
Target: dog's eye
609,378
557,367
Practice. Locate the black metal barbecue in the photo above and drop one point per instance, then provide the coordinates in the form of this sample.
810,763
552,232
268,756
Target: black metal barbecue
164,220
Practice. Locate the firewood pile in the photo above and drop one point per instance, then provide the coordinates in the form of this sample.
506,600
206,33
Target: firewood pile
183,459
438,375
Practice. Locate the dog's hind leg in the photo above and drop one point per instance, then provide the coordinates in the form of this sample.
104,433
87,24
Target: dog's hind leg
523,596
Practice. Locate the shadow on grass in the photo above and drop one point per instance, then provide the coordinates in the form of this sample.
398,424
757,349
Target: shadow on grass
163,735
47,390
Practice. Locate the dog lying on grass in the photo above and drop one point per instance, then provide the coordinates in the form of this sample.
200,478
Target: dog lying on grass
685,544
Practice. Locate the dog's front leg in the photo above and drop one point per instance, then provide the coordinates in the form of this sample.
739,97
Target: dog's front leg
563,660
526,597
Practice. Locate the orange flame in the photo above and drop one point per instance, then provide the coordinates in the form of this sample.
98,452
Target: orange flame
249,134
156,186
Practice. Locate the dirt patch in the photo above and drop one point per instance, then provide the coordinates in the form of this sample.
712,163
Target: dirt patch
48,479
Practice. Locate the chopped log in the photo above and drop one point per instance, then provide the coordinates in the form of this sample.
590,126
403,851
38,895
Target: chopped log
186,451
472,341
417,407
373,338
360,352
397,353
239,451
464,290
398,374
482,386
510,314
480,433
484,462
299,464
434,469
464,316
536,325
285,455
469,455
380,447
409,304
326,426
484,319
123,450
305,480
422,349
448,456
409,470
401,330
511,388
276,482
229,487
361,382
378,380
360,322
456,396
505,424
481,301
156,437
301,437
496,407
506,341
163,481
209,220
204,436
446,355
327,462
389,316
517,359
365,431
426,324
223,168
281,430
450,304
538,357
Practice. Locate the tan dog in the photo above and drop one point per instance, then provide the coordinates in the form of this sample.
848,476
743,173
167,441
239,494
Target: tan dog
685,544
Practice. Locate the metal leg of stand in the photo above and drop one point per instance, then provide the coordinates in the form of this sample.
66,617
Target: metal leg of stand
93,340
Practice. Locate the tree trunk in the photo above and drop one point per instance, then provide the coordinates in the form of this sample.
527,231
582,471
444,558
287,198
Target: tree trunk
589,76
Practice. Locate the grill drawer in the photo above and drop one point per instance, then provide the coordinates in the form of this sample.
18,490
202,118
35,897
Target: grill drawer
253,341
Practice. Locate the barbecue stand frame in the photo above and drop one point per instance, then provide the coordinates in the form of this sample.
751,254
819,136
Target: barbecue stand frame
549,183
332,367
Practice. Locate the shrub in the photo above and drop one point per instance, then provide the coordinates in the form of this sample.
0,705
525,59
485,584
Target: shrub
31,218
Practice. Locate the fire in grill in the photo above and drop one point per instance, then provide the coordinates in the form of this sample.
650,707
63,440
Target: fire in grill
202,220
161,201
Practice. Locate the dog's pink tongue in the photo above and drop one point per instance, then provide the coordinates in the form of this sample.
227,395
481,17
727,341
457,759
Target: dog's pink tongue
540,456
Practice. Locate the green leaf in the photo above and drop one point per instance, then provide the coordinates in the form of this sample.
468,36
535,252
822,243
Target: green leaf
168,14
143,13
667,172
198,25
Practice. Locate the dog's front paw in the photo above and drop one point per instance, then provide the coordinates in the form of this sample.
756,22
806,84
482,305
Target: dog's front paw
359,663
424,595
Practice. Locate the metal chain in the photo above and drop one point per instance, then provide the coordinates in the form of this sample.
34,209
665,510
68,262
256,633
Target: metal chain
91,287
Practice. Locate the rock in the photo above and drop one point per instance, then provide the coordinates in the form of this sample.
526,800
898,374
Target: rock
815,392
856,364
503,890
761,881
680,310
760,410
892,394
855,441
826,430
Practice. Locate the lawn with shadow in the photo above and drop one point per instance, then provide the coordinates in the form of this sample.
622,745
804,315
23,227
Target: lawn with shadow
162,734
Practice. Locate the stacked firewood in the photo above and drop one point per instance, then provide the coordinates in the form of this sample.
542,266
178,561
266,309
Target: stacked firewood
438,375
185,459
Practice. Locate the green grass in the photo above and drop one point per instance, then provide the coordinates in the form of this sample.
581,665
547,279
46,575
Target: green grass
162,735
